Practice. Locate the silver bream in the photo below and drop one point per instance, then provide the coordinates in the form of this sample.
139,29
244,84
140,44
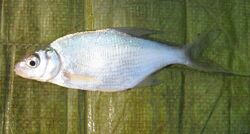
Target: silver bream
106,60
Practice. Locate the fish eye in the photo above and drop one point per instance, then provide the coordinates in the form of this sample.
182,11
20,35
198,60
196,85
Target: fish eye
33,61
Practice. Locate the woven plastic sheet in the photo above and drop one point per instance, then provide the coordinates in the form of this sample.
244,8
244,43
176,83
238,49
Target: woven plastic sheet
186,101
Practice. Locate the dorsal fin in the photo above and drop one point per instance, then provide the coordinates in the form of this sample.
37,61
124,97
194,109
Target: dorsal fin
135,31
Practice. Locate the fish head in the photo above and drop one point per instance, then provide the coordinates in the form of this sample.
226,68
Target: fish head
42,65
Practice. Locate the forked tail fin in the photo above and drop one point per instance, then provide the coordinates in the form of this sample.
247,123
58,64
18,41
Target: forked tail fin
195,50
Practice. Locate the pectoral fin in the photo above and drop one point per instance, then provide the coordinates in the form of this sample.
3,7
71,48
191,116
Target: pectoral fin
76,77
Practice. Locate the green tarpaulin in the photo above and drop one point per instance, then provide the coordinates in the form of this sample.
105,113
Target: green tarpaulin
186,100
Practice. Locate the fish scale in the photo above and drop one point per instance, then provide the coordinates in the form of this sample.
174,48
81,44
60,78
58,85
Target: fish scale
117,60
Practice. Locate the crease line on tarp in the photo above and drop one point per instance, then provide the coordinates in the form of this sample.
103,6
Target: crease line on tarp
2,19
181,104
81,111
10,88
212,110
88,24
182,88
119,118
8,100
1,36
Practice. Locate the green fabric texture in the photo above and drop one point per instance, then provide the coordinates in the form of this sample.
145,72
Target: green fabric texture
185,101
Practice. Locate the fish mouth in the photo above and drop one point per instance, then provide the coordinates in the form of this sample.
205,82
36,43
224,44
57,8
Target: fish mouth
16,68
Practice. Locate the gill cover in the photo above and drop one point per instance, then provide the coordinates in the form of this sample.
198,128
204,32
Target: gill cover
53,64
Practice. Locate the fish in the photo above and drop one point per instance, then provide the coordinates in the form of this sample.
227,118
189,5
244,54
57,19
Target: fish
110,60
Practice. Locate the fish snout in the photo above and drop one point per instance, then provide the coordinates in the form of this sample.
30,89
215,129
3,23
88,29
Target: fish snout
17,68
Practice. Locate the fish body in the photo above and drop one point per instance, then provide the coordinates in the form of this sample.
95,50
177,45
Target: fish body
110,59
103,60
